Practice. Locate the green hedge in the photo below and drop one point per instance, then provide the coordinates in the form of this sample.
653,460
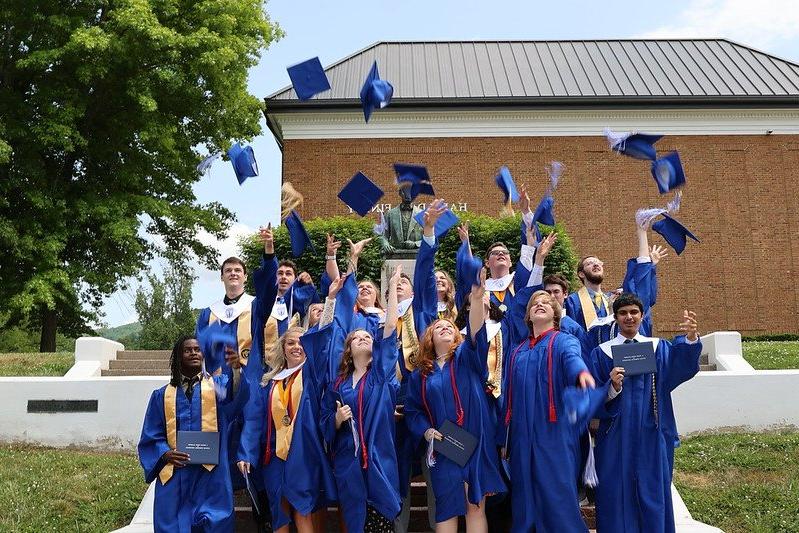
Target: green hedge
483,230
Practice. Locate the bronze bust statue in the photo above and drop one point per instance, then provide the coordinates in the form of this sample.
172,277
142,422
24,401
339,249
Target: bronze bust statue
402,235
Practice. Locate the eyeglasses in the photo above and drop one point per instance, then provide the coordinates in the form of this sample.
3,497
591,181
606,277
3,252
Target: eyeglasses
497,253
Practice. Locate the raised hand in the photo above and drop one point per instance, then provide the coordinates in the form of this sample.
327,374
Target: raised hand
524,200
545,247
431,216
244,467
656,253
689,325
232,357
395,276
332,245
267,238
305,278
463,231
357,247
335,286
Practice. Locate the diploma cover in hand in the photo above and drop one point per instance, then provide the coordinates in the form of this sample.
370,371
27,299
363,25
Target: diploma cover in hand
457,445
202,446
636,358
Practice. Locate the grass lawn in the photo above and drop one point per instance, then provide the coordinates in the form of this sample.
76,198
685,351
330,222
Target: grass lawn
772,355
46,489
36,364
741,482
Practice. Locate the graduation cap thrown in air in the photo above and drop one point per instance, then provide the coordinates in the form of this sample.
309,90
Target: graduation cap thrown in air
635,145
415,177
208,339
674,232
360,193
243,160
308,78
469,274
300,241
505,182
375,93
668,172
444,223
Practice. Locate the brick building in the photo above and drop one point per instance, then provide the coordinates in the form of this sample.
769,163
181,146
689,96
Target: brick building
463,109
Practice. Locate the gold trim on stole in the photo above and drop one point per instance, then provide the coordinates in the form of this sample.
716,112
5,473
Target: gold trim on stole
495,376
283,433
587,303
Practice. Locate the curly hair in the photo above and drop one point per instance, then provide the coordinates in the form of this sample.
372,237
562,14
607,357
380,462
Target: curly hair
279,355
175,359
427,351
347,366
556,308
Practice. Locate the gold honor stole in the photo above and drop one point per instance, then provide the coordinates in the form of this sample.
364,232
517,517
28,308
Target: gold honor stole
209,423
495,364
589,312
243,334
406,329
282,417
271,335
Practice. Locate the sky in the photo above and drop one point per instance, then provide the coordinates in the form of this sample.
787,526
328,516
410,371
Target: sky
334,30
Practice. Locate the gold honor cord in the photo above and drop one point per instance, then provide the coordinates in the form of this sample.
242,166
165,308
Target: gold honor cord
589,312
495,348
209,420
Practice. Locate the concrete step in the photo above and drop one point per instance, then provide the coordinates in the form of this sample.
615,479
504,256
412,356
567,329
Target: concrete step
703,359
707,367
162,355
136,372
143,364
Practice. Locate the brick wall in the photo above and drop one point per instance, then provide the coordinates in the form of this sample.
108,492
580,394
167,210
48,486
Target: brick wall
741,201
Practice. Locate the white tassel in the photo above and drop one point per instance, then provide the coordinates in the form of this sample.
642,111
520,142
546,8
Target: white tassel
674,205
431,459
589,477
554,169
380,228
354,436
206,163
644,217
616,140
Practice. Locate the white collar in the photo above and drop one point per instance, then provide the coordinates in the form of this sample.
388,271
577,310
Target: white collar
619,339
229,313
372,310
286,372
601,321
403,306
442,306
563,311
499,284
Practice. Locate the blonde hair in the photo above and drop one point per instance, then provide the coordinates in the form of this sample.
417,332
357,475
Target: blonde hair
427,350
556,308
449,296
279,355
290,199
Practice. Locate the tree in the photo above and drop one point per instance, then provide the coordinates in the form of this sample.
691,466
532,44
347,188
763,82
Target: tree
103,106
164,310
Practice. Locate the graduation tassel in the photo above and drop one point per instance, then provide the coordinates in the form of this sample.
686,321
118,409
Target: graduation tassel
589,476
431,458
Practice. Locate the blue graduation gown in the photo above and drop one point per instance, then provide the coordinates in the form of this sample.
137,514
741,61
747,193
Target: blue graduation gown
425,312
265,281
304,479
368,322
634,454
482,471
543,454
574,309
193,499
377,484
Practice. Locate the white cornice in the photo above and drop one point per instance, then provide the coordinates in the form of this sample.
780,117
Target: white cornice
535,123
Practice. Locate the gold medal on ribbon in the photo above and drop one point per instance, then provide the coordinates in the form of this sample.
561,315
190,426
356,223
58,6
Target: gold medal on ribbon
286,420
503,307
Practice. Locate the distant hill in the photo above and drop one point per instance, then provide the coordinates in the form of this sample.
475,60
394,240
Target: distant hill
120,332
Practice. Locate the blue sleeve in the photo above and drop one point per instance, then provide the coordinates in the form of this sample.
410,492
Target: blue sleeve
462,285
641,279
571,358
415,414
202,321
324,285
682,361
152,444
425,296
520,276
517,313
317,350
573,309
345,304
301,296
327,418
384,357
474,354
253,430
265,281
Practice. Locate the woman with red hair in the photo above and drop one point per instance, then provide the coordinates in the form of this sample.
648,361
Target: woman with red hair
448,384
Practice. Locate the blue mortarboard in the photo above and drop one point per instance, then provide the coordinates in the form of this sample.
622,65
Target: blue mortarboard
505,182
360,193
674,232
375,93
443,224
416,176
208,339
243,160
635,145
308,78
544,213
300,241
668,172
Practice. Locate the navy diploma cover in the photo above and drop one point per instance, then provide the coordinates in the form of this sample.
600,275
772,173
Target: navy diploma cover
636,358
457,444
202,446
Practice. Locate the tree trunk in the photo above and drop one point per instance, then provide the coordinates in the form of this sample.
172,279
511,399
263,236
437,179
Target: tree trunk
49,324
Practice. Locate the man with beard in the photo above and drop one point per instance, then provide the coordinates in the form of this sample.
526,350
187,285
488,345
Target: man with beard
589,302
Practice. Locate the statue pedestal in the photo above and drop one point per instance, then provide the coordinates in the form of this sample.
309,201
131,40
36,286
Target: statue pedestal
389,265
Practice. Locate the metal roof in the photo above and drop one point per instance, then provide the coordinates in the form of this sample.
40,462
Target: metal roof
563,72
